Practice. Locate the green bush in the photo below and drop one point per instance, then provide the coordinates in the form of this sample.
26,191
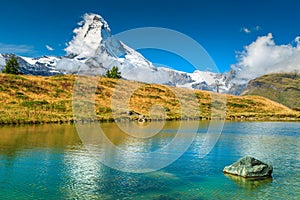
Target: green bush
113,73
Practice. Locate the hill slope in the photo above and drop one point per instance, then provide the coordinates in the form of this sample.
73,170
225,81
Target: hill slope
33,99
282,87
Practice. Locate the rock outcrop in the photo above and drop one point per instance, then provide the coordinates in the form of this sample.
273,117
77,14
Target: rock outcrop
249,167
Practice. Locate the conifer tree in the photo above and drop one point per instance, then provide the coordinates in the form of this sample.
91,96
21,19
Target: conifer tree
11,66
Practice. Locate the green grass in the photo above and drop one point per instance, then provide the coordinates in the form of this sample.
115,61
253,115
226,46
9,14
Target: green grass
237,105
283,88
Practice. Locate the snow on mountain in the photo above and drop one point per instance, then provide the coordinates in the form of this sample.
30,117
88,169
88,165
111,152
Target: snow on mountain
2,60
210,78
44,66
93,50
201,80
94,47
49,61
88,36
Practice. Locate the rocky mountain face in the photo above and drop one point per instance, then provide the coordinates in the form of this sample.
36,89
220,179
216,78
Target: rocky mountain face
92,51
283,88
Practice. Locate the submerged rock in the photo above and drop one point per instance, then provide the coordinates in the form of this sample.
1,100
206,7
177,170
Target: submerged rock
249,167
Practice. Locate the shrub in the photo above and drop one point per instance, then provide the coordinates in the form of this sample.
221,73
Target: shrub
113,73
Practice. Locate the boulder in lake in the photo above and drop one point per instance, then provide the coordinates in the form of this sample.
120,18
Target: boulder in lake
249,167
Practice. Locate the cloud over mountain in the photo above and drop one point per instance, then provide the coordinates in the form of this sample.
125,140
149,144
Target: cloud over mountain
264,56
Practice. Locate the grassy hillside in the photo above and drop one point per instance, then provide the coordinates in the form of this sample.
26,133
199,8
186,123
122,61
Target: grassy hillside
32,99
282,88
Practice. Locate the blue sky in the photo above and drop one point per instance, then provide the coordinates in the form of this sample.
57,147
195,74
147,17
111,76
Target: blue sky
221,27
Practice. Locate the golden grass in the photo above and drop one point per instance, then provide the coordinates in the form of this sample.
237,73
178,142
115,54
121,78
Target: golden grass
34,99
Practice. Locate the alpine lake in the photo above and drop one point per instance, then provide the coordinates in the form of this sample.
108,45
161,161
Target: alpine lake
52,162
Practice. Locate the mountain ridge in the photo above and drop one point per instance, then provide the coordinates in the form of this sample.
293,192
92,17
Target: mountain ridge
93,50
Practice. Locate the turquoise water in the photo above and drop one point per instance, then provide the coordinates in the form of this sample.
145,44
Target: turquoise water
50,162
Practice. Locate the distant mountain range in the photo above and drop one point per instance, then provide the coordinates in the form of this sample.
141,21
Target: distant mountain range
283,88
91,49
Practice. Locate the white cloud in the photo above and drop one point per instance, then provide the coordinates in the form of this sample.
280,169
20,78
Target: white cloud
16,49
263,56
245,30
250,30
49,48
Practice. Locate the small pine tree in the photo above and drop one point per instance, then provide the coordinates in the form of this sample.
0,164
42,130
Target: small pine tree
113,73
11,66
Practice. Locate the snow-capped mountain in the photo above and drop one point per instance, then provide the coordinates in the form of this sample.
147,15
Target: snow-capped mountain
93,50
201,80
44,66
49,61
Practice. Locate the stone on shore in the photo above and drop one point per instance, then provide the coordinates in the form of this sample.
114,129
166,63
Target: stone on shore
249,167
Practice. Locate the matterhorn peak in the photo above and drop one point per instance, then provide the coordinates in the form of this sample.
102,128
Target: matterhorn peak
92,31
